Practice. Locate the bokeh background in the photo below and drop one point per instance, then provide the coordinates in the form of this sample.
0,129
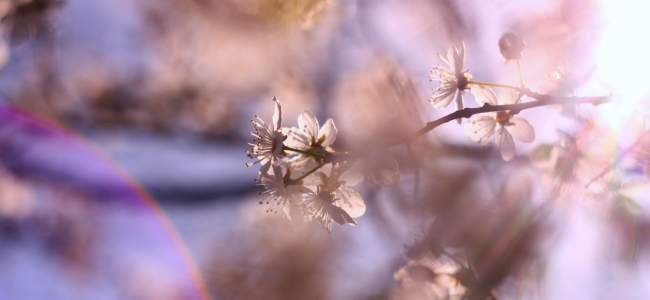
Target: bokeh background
123,126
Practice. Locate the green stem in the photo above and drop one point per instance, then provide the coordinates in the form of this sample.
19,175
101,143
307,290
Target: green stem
284,147
495,85
307,174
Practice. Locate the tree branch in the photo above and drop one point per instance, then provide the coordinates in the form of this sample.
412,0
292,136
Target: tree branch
542,100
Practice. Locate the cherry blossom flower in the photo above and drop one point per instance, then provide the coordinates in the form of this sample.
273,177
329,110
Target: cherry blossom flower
453,81
281,191
502,125
309,138
321,206
335,200
268,143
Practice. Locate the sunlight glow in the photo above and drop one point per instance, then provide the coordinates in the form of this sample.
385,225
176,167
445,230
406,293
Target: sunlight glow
624,58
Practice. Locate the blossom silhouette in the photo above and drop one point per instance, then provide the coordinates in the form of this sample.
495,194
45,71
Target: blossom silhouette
501,124
335,200
268,143
281,191
308,137
453,81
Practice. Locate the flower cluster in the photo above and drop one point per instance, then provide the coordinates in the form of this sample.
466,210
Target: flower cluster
296,171
503,125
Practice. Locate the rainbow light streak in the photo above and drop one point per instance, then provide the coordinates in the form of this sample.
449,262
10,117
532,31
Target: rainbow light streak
12,118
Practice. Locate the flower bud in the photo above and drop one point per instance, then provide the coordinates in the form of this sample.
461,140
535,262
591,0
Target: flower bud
511,46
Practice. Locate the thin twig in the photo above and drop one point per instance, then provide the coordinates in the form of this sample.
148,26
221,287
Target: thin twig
542,100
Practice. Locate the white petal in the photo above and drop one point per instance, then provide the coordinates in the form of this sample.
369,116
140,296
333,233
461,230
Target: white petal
459,60
308,123
279,144
328,131
505,143
299,190
353,176
296,138
350,201
287,210
480,128
277,114
508,96
459,101
264,169
443,95
277,170
484,95
459,104
314,179
451,56
521,129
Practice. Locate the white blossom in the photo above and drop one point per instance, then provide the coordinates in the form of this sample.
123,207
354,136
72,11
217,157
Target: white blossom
502,125
322,207
268,143
308,137
335,200
281,191
453,81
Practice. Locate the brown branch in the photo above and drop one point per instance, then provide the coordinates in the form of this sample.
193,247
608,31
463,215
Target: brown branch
542,100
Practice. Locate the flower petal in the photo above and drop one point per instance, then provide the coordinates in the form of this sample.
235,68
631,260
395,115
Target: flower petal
277,171
264,169
505,143
350,201
459,59
279,143
381,168
484,95
443,95
328,132
352,177
508,96
296,138
277,115
451,57
521,129
480,128
308,124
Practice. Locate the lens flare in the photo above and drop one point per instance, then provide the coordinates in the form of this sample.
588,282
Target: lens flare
133,225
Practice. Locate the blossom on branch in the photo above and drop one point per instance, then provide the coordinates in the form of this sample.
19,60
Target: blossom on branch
502,125
453,81
281,191
308,137
335,199
268,143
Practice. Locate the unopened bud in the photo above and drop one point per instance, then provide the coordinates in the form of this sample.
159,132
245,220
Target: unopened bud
511,46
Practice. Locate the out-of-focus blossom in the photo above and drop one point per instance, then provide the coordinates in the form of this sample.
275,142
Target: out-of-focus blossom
380,168
453,81
502,125
309,138
511,46
268,142
428,278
